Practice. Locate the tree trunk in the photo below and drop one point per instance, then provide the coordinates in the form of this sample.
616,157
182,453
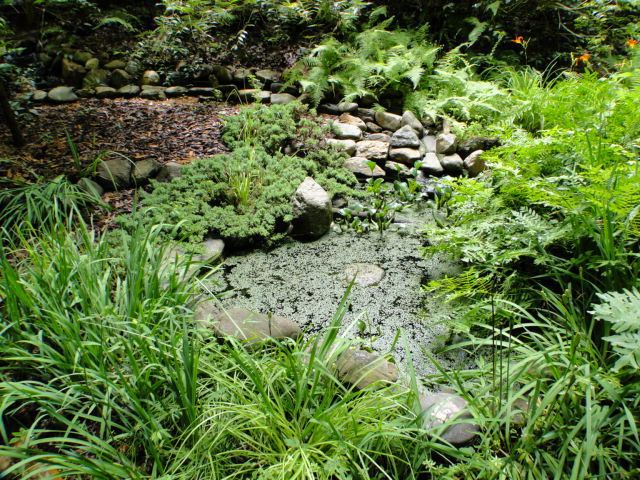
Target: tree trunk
10,117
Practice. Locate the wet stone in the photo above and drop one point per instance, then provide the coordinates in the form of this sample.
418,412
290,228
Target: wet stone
363,274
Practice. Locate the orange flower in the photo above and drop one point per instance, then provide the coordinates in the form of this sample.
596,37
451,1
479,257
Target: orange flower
632,43
519,40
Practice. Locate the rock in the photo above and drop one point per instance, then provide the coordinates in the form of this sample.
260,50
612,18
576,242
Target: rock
85,92
264,96
366,114
429,142
116,65
150,77
382,137
201,91
361,369
212,249
373,127
169,171
410,120
445,408
408,156
62,95
176,91
347,107
143,170
474,164
82,57
344,131
106,92
431,164
249,94
268,76
470,145
89,186
405,137
120,78
360,167
446,143
150,92
329,108
312,213
129,91
92,64
241,76
396,170
388,121
72,73
282,98
115,173
347,146
372,149
96,78
39,96
133,68
228,89
351,120
244,324
223,74
363,274
452,164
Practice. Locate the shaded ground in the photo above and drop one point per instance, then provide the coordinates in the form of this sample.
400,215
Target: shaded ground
177,130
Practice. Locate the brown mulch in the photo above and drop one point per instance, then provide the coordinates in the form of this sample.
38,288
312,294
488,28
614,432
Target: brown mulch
177,130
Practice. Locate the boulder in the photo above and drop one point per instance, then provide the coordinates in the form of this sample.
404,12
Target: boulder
452,164
474,164
429,142
150,92
282,98
92,64
89,186
96,78
351,120
150,77
431,164
106,92
329,108
129,91
223,74
360,167
408,156
396,170
72,73
347,107
312,213
176,91
82,57
449,415
114,173
85,92
363,274
347,146
372,149
410,120
405,137
39,96
344,131
388,121
116,65
241,76
133,68
268,76
243,324
249,94
373,127
381,137
120,78
366,114
143,170
62,95
212,249
169,171
361,369
446,143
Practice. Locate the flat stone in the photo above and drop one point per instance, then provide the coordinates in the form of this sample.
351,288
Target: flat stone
408,156
115,173
347,107
360,167
129,91
282,98
151,92
62,95
372,149
409,119
202,91
106,92
150,77
405,137
446,143
268,76
429,142
388,121
249,94
143,170
176,91
116,65
312,214
363,274
243,324
362,369
474,164
351,120
382,137
347,146
441,409
452,164
431,164
344,131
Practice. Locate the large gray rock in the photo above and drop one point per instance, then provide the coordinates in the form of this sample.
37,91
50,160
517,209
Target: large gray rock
347,107
151,77
363,274
431,164
396,170
62,95
474,164
114,173
452,164
347,146
120,78
446,143
116,65
96,78
129,91
151,92
243,324
212,249
223,74
366,114
360,167
409,119
372,149
373,127
405,137
143,170
241,76
72,73
381,137
361,369
448,415
106,92
169,171
39,96
282,98
346,131
312,214
408,156
133,68
268,76
176,91
429,142
388,121
351,120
